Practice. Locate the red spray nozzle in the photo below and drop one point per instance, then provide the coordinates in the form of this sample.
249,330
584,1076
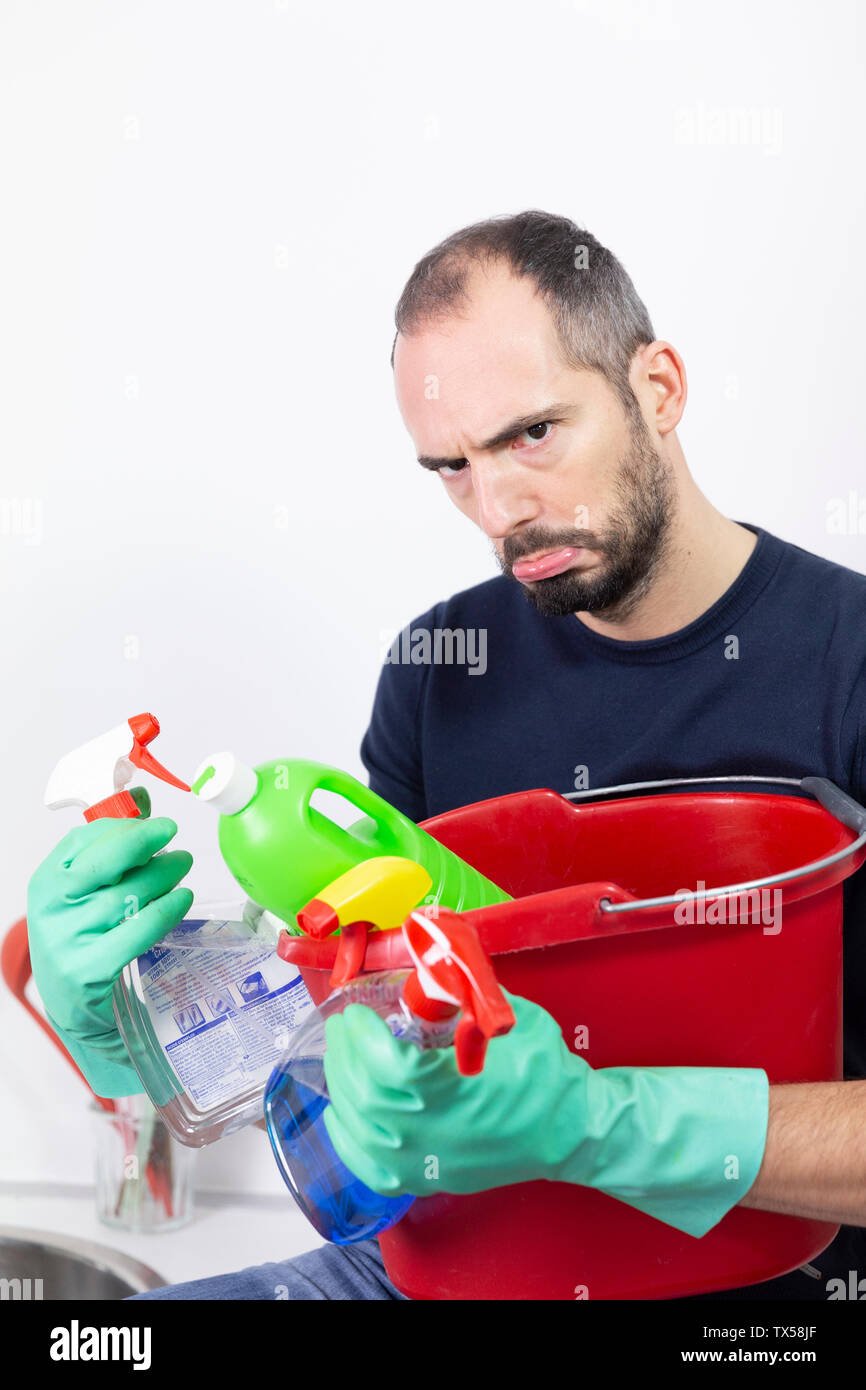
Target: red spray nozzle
144,728
453,973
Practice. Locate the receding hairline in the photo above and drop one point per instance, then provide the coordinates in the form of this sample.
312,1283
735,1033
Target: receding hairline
598,318
465,272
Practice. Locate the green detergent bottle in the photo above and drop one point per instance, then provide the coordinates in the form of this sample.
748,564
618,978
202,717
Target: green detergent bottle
283,851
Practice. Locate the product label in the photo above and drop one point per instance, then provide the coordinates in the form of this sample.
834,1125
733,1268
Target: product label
223,1011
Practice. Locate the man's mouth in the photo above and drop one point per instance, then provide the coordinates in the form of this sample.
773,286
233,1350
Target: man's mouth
547,564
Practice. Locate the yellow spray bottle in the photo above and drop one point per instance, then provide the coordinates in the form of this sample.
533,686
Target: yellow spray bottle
376,895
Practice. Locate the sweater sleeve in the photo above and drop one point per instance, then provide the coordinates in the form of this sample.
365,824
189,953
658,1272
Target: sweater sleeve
391,747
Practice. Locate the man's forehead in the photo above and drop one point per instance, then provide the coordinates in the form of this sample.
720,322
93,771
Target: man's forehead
470,403
472,383
469,410
476,343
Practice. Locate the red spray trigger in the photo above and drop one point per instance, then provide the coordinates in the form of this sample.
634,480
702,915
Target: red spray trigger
453,972
144,728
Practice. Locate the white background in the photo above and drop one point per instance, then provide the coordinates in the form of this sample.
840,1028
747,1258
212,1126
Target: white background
210,506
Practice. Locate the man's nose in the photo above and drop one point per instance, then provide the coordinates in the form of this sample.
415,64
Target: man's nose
502,500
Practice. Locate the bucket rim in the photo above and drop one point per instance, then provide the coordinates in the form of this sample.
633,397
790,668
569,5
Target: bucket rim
833,799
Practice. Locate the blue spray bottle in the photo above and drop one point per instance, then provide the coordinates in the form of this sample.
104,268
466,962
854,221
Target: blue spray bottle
451,996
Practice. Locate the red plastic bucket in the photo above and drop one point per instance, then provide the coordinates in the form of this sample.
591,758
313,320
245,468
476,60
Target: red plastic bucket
587,938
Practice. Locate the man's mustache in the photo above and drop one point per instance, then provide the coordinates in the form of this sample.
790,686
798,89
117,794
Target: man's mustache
512,552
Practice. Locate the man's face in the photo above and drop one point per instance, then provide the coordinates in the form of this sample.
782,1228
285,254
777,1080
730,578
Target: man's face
578,488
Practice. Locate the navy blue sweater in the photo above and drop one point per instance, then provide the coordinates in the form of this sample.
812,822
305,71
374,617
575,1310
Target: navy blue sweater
535,698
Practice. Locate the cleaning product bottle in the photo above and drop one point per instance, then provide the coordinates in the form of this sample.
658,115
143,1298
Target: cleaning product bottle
375,895
207,1013
281,849
451,996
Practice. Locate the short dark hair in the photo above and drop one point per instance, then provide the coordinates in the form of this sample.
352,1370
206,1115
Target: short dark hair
600,320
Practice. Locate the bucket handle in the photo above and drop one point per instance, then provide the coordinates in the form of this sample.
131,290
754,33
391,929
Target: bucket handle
845,809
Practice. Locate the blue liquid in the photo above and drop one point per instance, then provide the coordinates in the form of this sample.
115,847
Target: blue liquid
341,1207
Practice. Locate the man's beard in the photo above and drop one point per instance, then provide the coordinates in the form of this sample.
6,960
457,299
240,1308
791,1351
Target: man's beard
634,543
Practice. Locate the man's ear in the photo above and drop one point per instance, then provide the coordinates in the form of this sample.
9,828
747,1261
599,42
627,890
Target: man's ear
660,367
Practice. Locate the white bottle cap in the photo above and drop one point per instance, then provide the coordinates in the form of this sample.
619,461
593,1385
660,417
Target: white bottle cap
231,786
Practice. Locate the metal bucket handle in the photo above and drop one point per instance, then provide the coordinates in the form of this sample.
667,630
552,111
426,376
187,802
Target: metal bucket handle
831,797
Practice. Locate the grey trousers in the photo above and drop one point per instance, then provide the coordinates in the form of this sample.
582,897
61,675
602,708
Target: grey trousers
331,1272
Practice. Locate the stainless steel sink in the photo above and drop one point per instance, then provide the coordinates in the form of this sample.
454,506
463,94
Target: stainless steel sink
39,1264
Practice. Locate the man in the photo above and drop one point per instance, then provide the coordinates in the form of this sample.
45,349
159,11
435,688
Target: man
635,633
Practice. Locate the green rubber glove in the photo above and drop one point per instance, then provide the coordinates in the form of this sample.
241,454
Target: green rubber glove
683,1144
100,898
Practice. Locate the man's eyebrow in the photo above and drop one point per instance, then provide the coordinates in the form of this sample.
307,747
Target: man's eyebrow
514,427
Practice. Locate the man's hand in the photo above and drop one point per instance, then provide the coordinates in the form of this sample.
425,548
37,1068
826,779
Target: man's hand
683,1144
101,897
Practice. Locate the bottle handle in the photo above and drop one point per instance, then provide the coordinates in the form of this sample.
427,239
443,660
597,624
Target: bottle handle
332,779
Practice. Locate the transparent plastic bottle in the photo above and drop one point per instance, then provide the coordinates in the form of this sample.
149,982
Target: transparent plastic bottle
422,1006
341,1207
205,1015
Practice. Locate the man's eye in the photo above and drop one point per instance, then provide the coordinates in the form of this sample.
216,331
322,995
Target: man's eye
538,438
450,470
